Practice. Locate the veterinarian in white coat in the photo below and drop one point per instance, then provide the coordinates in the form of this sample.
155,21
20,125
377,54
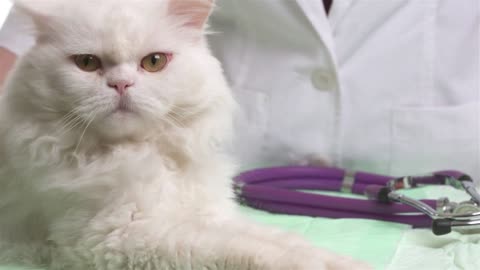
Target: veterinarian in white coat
390,86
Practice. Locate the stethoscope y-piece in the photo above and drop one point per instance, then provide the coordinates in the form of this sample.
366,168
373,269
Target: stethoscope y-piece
288,190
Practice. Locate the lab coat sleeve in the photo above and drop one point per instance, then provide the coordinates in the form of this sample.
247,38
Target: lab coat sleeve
16,34
224,9
226,36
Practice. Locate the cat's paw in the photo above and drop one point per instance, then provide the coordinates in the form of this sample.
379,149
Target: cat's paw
334,261
313,259
344,263
339,263
310,160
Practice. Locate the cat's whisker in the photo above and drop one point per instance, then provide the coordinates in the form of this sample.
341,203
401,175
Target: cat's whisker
66,124
71,125
189,110
172,123
178,115
69,121
94,113
175,120
172,118
77,107
148,105
68,117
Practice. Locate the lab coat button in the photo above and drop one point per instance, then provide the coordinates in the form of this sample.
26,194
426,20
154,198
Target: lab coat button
323,80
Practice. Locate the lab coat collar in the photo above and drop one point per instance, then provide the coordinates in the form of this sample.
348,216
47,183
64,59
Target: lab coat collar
315,13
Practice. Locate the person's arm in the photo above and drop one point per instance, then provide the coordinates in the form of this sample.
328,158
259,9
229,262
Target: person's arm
7,59
15,39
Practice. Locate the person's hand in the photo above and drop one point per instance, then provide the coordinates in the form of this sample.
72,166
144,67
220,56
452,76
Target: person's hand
310,160
7,59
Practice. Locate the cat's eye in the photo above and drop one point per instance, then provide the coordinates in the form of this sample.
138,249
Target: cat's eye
155,62
87,62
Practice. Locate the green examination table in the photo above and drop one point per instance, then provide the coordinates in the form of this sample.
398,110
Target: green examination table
383,245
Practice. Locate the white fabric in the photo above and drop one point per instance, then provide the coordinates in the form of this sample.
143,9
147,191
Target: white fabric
421,249
389,86
5,7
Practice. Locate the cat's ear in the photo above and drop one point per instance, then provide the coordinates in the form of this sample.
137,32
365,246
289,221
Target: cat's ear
39,11
194,13
35,8
44,15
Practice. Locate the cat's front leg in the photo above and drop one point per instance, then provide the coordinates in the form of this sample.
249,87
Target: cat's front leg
291,249
167,244
180,247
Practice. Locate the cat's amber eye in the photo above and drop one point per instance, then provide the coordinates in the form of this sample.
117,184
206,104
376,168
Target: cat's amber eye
155,62
87,62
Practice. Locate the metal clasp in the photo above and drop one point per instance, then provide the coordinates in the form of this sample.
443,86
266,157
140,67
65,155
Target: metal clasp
405,182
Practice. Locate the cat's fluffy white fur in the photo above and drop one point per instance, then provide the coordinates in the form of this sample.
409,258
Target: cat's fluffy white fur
83,186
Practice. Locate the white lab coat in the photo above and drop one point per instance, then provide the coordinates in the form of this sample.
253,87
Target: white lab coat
390,86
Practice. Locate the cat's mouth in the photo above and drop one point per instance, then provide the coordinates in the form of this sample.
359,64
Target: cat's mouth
124,105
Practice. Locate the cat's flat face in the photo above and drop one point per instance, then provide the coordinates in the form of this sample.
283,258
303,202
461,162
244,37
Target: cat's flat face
123,67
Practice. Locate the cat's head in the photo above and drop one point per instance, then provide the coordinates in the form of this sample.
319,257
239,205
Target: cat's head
125,68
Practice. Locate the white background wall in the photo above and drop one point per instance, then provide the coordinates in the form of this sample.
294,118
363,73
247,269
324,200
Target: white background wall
5,6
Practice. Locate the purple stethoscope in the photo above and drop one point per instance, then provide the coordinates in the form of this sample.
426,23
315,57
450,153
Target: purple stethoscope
277,190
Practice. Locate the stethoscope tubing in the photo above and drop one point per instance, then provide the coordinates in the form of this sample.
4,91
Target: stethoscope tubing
270,175
417,221
296,173
264,193
276,190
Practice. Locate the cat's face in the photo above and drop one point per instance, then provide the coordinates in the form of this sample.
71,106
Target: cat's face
122,67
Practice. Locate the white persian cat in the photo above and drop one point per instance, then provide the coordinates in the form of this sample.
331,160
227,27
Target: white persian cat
111,136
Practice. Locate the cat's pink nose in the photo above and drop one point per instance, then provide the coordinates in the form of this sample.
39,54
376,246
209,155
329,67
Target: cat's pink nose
121,86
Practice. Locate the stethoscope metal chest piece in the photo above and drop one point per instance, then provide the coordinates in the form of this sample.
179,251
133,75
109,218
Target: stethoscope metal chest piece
464,216
277,190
